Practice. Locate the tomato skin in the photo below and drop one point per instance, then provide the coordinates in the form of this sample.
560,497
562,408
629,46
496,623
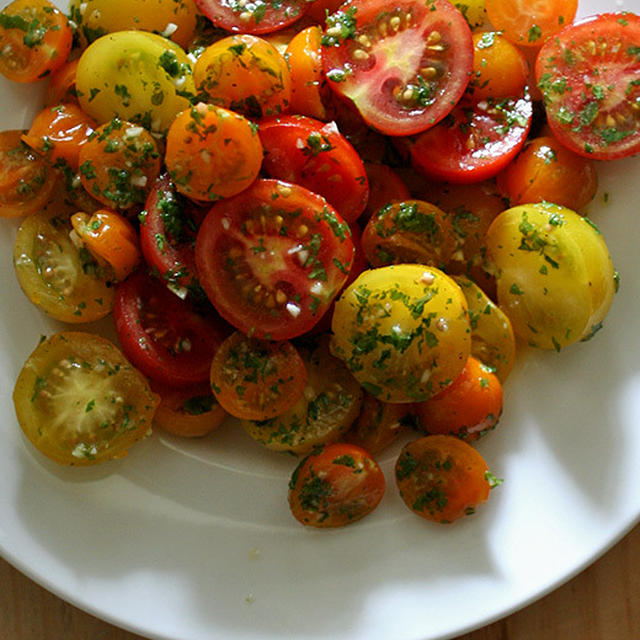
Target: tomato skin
173,19
442,478
35,40
187,412
588,75
257,379
291,249
527,25
162,335
403,331
59,133
168,228
499,68
555,277
80,402
26,179
317,156
245,74
471,144
136,76
545,170
308,84
264,18
119,163
212,152
402,80
336,486
62,85
468,408
110,238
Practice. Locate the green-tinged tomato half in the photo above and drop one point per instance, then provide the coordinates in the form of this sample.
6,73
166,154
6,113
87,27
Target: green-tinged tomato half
136,76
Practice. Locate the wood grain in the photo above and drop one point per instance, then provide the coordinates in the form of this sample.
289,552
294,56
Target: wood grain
602,603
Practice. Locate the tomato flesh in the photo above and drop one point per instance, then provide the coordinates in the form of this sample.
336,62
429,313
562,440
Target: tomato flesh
403,64
80,402
258,16
272,258
589,76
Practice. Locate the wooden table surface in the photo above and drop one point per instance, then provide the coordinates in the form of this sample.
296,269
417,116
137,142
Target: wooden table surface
602,603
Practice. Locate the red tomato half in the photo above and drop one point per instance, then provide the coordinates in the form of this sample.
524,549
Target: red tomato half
474,142
403,64
317,156
168,230
163,336
272,258
256,16
589,74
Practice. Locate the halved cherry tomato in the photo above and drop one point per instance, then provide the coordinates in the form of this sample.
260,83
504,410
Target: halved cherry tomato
325,410
335,486
317,156
272,258
442,478
475,142
212,152
403,64
57,275
409,231
35,40
188,412
245,74
589,76
308,84
162,335
80,402
258,16
110,238
26,180
468,408
62,85
378,425
547,170
256,379
385,187
59,133
529,24
168,227
119,164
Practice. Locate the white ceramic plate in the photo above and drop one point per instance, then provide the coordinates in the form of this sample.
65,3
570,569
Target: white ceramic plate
194,540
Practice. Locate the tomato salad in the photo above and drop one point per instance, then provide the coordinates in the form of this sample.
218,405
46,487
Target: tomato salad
339,231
